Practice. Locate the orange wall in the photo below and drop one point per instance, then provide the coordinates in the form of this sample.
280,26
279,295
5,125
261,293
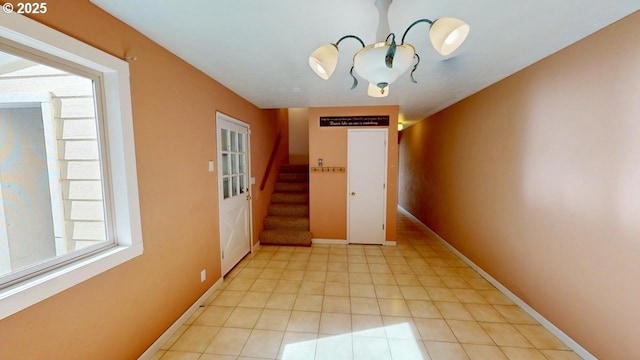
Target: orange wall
299,136
328,192
118,314
536,180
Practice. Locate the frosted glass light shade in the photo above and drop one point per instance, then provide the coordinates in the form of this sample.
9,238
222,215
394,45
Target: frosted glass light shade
323,60
374,91
447,34
369,63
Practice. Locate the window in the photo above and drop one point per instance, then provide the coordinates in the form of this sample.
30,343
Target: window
68,189
53,202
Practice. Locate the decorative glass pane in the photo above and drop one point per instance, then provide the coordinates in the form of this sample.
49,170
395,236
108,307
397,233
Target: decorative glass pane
234,186
234,141
241,143
242,184
224,135
241,168
234,163
225,164
225,187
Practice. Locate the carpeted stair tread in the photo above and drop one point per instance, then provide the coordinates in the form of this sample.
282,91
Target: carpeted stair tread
290,168
285,237
293,177
288,210
286,223
290,198
292,187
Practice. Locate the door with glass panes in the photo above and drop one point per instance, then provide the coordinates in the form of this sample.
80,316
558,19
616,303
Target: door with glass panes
234,196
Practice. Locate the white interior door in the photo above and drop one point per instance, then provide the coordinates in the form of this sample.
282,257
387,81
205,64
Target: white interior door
367,177
233,190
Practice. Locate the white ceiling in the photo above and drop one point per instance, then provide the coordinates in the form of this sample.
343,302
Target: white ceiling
259,49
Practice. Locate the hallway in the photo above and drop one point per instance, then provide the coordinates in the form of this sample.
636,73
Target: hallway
416,300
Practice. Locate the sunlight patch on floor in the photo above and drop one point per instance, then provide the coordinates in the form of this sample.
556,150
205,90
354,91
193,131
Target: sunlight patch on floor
360,345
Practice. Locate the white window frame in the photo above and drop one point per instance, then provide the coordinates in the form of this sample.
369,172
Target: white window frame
120,153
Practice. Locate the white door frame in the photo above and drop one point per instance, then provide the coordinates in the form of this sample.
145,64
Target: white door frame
227,118
384,190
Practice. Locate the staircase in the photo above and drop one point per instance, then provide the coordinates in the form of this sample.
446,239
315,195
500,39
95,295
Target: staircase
287,221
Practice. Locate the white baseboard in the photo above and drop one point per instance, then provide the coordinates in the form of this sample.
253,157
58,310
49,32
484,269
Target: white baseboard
572,344
256,247
389,243
147,355
329,241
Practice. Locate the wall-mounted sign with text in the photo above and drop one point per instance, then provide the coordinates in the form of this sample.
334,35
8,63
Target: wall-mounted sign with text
380,120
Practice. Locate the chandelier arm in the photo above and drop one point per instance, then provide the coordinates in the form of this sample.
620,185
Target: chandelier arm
350,37
391,53
414,68
355,81
414,24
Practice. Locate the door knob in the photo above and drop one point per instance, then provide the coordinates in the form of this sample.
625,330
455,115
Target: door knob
353,194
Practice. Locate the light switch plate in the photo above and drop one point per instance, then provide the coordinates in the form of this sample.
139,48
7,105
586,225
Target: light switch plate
211,166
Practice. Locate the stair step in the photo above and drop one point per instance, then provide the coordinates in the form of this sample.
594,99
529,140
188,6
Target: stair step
293,177
289,168
286,223
292,187
285,237
288,210
289,198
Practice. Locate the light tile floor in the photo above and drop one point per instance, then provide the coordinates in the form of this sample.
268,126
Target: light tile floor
416,300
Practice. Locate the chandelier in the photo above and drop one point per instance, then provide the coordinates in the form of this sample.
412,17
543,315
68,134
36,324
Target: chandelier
383,62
